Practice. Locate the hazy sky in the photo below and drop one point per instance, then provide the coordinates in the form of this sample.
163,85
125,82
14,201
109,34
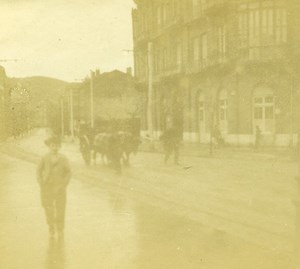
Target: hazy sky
65,38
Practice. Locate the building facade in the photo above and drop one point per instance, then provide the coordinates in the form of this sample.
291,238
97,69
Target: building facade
5,115
226,64
115,100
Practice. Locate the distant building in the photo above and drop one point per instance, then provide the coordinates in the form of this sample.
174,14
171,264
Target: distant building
227,63
4,105
115,98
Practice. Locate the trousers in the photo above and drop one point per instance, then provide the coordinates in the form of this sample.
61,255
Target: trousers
54,204
169,149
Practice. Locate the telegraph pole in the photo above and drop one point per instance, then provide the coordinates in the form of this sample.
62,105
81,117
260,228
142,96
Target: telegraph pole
92,100
62,117
150,89
6,121
45,113
9,60
71,114
291,111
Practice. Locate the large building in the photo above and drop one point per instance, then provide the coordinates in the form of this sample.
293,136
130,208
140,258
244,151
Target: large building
233,64
3,104
115,99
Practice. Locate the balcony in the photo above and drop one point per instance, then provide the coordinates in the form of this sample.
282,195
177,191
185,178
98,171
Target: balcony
214,61
263,53
168,25
168,71
140,36
216,8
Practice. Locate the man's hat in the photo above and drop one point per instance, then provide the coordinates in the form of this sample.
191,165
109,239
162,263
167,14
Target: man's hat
53,140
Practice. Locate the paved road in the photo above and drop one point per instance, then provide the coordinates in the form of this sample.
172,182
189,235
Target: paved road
153,216
107,229
247,195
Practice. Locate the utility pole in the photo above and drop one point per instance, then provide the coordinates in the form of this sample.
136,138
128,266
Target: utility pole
3,103
92,99
45,113
62,117
9,60
150,90
71,114
291,111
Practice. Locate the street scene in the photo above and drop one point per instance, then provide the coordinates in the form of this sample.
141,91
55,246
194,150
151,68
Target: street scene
150,134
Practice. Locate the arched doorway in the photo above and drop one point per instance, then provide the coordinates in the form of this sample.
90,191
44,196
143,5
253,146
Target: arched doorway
264,110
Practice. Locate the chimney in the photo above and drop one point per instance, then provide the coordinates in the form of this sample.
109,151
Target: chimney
129,71
97,73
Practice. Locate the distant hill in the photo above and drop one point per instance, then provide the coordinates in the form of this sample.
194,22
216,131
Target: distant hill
40,88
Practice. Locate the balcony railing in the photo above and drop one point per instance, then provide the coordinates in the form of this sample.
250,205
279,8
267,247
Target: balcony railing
140,36
216,3
263,53
168,71
217,7
159,29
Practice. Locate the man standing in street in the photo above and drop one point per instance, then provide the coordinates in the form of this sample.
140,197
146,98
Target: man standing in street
257,137
171,141
53,175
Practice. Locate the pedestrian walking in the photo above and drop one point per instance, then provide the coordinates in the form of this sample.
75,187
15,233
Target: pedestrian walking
85,148
115,151
217,137
53,175
257,137
171,139
298,154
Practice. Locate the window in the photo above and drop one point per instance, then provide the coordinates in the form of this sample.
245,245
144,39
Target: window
164,58
204,50
156,61
258,100
243,29
269,112
201,113
201,110
267,27
221,43
196,50
264,110
196,8
223,110
258,113
178,55
203,5
164,13
175,8
281,26
254,28
158,15
261,24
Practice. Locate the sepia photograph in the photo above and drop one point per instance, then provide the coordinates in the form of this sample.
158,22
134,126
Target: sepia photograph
150,134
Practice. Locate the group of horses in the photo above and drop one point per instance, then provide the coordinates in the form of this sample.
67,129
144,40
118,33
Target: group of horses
115,148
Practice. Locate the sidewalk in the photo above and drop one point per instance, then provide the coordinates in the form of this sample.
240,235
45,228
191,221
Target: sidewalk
34,143
232,152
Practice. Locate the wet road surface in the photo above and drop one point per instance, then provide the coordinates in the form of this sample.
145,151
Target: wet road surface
107,229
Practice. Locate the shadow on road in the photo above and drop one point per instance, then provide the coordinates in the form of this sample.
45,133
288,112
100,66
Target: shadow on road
55,256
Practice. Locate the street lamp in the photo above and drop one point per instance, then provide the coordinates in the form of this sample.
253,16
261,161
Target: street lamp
91,97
